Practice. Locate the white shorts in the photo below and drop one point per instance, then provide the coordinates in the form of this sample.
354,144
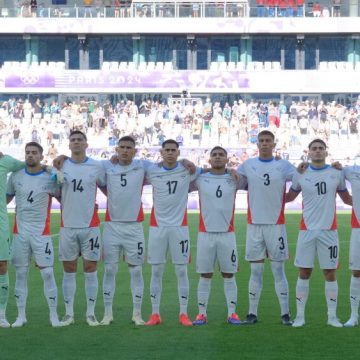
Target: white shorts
174,238
123,238
25,246
85,242
264,241
216,246
354,251
324,243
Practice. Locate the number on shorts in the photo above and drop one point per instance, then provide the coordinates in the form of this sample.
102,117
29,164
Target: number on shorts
218,192
267,179
184,246
233,256
30,199
140,248
94,244
282,243
47,249
321,187
77,185
333,251
172,186
123,181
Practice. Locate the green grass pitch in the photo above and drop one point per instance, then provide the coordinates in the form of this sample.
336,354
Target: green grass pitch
217,340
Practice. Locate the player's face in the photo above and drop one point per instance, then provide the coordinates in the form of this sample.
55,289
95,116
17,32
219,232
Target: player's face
33,156
77,144
218,159
266,146
170,154
126,152
317,152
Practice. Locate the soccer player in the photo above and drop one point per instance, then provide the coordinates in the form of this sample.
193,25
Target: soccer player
266,233
33,189
123,230
352,174
79,233
168,228
318,235
216,237
7,165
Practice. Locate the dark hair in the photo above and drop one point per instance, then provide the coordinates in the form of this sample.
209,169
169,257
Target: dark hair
170,141
35,144
266,132
74,132
127,138
218,148
315,141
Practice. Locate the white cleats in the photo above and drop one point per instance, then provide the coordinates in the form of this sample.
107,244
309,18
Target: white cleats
137,319
19,322
91,320
4,323
352,322
107,320
334,321
299,322
67,320
55,322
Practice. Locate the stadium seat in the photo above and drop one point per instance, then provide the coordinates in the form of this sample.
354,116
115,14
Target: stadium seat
357,66
123,65
240,66
105,65
323,65
276,65
159,65
259,65
60,65
43,64
332,65
267,65
52,64
168,65
251,66
231,65
214,66
4,12
150,66
23,65
114,65
349,66
222,66
131,65
142,66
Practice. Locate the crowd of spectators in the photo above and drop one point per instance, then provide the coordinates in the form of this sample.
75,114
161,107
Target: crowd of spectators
196,124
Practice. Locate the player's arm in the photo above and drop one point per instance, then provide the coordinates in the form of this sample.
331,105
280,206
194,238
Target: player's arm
9,198
291,195
345,197
11,164
58,162
10,191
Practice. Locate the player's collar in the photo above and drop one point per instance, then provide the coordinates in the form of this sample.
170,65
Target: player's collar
81,162
34,174
320,168
166,168
266,160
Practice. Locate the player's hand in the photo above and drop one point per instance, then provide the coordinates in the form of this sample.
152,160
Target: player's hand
188,165
278,157
58,162
114,159
302,167
234,174
337,165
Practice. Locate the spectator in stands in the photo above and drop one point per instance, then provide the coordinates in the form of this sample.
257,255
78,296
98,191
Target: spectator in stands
316,9
260,8
282,8
300,8
336,8
33,8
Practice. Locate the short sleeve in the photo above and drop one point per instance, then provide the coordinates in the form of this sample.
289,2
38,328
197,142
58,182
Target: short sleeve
10,190
10,164
295,186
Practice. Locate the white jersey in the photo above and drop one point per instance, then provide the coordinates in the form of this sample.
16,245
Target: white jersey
124,188
352,174
319,188
266,189
78,193
170,194
217,202
33,201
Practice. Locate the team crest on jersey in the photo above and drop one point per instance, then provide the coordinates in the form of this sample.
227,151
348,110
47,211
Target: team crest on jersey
19,184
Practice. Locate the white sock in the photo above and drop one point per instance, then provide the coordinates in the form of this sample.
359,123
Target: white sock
50,290
21,290
109,286
203,292
230,290
4,293
137,287
354,296
331,294
302,294
255,286
157,272
91,290
281,285
183,286
69,289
